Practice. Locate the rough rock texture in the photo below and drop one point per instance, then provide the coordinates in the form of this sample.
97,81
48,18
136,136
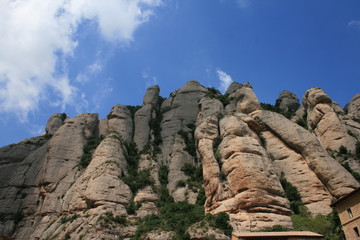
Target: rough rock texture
335,178
144,115
324,120
296,171
179,110
54,122
234,86
119,121
204,231
238,174
353,107
288,101
71,183
247,101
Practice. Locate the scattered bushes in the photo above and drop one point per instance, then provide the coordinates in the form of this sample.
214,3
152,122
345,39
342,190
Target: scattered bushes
275,228
189,143
155,126
357,150
163,175
214,93
92,143
109,217
292,194
288,114
139,180
135,180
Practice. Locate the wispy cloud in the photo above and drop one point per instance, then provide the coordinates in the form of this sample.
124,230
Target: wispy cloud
38,36
149,78
354,24
90,71
243,3
225,80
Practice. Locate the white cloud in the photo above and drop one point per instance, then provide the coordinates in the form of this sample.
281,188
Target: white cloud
225,80
354,24
37,36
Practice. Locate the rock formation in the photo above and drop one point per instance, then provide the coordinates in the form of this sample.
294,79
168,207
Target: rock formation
198,150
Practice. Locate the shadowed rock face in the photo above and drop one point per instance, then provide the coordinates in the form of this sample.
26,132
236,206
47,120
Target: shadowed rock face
66,182
288,101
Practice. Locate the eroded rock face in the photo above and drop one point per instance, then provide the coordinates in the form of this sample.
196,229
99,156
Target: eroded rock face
54,122
179,110
296,171
243,152
238,174
336,179
144,115
353,107
97,184
119,121
324,120
247,101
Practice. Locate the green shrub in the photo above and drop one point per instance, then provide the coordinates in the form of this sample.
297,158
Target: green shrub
302,122
356,175
163,175
189,143
275,228
180,184
319,224
214,93
139,180
188,169
63,116
109,217
357,150
222,176
292,194
92,143
343,150
133,110
266,106
155,126
220,221
201,197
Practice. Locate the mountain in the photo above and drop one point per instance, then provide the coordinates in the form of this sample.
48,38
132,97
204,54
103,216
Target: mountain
153,171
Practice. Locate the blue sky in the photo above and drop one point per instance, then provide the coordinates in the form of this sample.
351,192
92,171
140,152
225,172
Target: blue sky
78,56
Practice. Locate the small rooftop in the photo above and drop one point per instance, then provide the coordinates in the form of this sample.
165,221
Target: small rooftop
277,234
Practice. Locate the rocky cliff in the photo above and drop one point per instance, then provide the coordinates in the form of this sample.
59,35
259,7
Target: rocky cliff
127,176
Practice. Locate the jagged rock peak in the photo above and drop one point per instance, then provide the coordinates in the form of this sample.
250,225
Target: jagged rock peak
287,101
192,86
54,122
246,99
233,87
120,121
315,96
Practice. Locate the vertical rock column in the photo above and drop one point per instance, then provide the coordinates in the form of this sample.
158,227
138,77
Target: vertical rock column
179,113
238,176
